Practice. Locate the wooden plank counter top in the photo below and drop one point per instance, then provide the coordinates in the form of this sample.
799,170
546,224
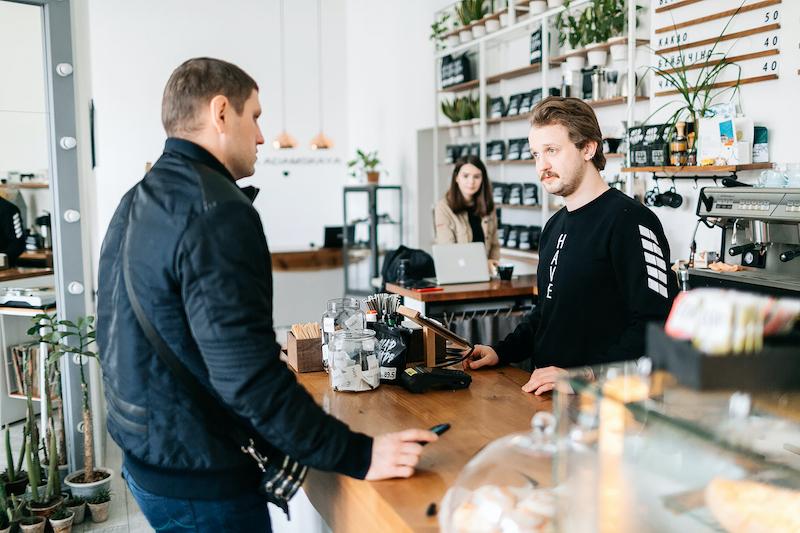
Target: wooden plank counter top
11,274
493,406
519,286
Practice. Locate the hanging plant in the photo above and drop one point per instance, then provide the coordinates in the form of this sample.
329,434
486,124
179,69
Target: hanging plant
568,27
438,29
696,97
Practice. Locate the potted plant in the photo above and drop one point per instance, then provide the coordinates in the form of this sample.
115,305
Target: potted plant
570,37
464,113
98,505
493,24
595,33
438,29
32,524
78,507
5,519
62,520
475,112
43,503
14,479
88,480
698,94
537,6
464,16
555,3
366,163
43,331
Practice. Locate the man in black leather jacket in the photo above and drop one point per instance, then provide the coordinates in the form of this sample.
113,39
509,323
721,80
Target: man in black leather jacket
200,267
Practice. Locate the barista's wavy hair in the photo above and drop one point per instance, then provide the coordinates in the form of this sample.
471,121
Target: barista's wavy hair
579,119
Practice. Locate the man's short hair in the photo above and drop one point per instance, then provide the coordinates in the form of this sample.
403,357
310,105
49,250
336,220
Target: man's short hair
579,119
193,84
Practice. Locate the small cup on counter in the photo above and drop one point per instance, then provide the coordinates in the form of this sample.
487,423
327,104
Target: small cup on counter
504,272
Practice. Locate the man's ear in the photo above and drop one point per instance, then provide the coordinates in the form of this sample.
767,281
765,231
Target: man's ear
589,150
219,107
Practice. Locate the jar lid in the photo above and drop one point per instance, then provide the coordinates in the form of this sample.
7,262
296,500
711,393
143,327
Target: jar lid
344,303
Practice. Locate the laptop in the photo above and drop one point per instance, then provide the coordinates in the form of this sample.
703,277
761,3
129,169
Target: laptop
460,263
334,236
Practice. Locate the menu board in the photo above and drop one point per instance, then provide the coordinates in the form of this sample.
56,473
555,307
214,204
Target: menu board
696,38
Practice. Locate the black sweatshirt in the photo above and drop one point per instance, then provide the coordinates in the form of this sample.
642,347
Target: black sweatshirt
604,272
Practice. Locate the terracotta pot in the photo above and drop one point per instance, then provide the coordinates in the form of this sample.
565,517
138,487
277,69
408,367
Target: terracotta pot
99,511
373,176
64,525
32,524
45,510
88,490
79,511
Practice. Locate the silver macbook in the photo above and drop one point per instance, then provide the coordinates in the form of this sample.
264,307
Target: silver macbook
460,263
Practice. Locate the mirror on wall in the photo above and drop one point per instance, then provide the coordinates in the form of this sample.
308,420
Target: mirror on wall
26,204
24,150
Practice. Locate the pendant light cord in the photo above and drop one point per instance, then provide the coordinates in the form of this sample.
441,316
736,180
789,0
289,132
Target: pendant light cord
319,61
283,71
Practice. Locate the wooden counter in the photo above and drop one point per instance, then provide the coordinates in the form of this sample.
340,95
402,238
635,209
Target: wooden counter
493,406
519,286
11,274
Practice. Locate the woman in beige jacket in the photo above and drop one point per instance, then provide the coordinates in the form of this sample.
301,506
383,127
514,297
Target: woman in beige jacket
466,213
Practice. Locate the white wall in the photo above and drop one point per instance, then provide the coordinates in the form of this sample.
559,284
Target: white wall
134,51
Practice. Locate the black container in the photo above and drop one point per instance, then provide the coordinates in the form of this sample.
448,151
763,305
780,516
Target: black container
638,155
513,104
497,107
495,150
776,367
524,238
512,237
530,194
655,140
515,194
515,149
502,233
499,193
536,47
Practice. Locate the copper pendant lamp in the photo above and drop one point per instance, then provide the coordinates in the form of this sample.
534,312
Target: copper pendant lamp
283,140
320,141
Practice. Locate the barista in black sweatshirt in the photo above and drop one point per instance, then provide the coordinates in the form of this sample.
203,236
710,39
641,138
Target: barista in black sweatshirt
603,259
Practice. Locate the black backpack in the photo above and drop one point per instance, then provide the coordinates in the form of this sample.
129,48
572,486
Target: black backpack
420,265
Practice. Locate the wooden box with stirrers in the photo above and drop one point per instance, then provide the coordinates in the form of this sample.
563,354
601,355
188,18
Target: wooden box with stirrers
304,349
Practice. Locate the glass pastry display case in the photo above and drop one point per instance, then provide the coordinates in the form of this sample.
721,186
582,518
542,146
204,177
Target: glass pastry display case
638,452
630,450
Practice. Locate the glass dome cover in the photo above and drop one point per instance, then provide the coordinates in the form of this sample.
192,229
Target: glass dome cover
508,486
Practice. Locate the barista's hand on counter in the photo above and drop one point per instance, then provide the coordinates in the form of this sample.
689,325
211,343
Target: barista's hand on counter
396,454
493,266
543,379
481,356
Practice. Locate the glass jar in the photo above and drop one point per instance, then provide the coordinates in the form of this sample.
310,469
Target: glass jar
341,313
507,486
353,363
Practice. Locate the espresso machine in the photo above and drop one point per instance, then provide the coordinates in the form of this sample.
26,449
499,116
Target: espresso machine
760,232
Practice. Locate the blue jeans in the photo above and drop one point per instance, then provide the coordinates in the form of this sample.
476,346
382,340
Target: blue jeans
243,513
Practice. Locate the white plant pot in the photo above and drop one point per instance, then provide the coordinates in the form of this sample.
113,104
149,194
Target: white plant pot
464,36
492,25
537,6
597,58
478,30
453,40
504,19
453,133
555,3
476,129
87,490
576,62
466,130
619,52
